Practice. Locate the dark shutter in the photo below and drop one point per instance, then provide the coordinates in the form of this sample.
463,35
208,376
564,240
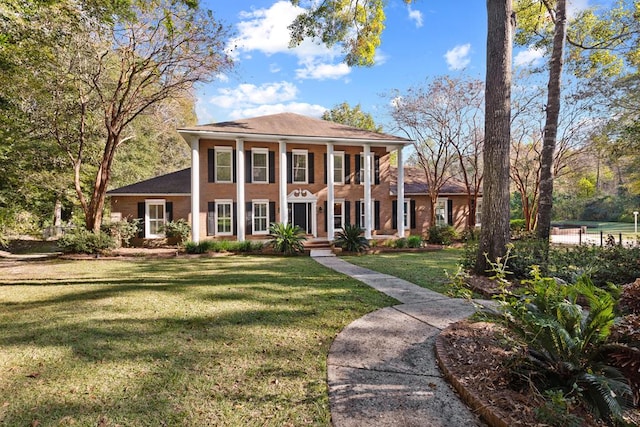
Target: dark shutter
234,217
272,167
358,204
325,168
412,210
249,217
347,169
272,213
376,215
394,214
376,169
289,167
141,211
212,164
449,211
234,161
211,219
311,168
248,173
169,211
347,212
358,178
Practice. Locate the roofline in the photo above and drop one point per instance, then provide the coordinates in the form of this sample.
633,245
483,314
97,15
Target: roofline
109,193
262,137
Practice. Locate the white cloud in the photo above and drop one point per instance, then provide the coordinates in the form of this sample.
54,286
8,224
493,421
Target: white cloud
458,57
266,31
415,15
312,110
531,56
323,71
250,94
574,7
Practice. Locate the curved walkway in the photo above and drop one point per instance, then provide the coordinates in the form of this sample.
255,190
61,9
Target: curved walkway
382,369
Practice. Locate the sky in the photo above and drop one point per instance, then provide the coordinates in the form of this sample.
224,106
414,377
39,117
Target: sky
423,40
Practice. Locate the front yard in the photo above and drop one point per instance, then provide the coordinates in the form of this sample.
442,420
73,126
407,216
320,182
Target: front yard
185,341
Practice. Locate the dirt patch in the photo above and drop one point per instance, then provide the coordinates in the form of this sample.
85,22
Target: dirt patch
477,357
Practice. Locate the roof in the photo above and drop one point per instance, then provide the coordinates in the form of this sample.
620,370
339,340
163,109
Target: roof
290,126
415,183
175,183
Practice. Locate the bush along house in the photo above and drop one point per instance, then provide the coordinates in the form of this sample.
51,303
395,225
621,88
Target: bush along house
286,168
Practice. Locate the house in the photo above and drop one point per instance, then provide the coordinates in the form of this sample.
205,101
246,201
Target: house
246,174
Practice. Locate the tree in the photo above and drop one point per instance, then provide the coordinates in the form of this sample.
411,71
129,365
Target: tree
108,74
494,234
355,117
442,120
359,24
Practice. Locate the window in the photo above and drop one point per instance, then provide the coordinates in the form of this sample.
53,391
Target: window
224,157
338,215
407,214
260,217
441,212
338,167
373,172
260,165
299,163
154,218
224,219
478,213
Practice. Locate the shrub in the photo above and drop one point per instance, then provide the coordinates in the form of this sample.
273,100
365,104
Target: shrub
442,235
566,345
414,241
123,231
351,239
286,238
81,240
221,246
179,229
400,243
517,224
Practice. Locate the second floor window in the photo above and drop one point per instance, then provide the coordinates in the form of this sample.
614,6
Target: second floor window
338,168
300,167
260,165
224,157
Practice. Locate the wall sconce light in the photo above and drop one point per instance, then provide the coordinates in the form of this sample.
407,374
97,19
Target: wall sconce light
320,209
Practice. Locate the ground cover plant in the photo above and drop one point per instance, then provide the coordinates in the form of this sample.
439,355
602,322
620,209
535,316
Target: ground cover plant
426,269
184,341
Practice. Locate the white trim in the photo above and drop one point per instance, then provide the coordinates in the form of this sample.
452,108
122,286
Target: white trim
446,213
147,217
330,192
406,206
195,190
400,191
253,217
343,207
216,204
367,193
336,155
282,185
264,151
240,195
223,149
298,152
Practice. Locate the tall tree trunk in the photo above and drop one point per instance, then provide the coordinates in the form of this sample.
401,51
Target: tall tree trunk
545,202
494,234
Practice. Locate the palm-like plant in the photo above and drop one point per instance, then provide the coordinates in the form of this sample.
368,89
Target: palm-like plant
567,344
286,238
350,239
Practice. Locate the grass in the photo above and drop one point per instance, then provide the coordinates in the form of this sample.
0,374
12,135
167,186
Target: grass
426,269
222,341
627,229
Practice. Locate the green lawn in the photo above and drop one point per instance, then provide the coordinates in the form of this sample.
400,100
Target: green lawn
237,341
426,269
595,227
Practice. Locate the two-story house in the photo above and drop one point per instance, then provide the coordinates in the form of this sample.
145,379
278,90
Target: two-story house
246,174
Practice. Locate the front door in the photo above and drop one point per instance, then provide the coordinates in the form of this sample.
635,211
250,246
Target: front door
300,215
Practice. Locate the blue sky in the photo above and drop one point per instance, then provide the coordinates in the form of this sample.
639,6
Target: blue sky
425,39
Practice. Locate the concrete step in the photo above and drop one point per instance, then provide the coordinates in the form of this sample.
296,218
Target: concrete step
316,253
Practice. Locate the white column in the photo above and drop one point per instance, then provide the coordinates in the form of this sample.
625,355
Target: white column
400,192
368,205
195,189
330,192
283,182
240,199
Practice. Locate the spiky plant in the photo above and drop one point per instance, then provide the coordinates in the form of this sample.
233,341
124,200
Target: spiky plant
350,239
566,344
286,238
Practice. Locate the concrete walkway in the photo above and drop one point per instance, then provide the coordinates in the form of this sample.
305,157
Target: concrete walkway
382,369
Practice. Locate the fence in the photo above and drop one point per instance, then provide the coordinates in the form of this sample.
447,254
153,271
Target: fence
581,236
